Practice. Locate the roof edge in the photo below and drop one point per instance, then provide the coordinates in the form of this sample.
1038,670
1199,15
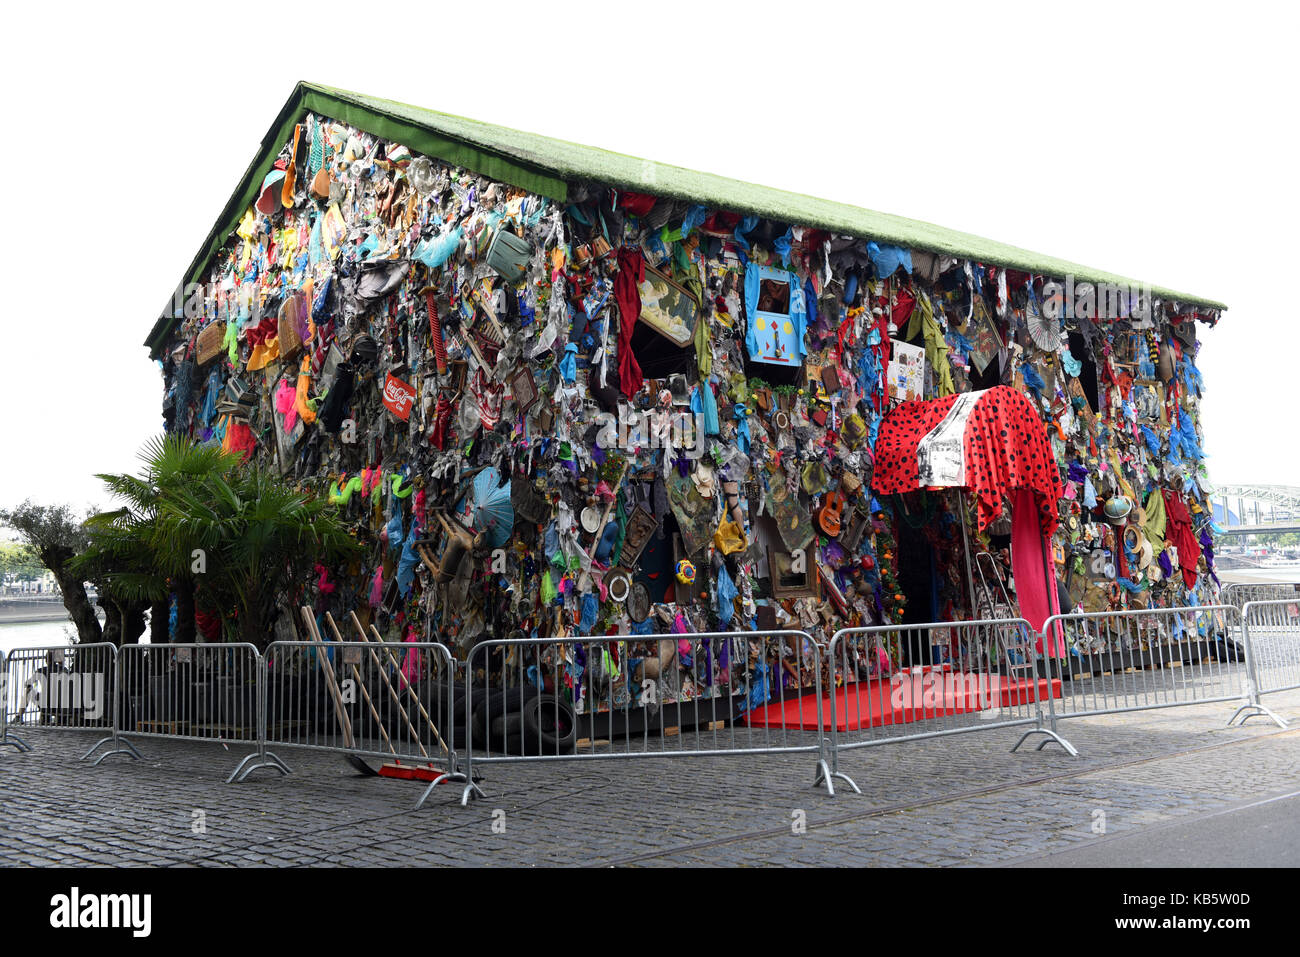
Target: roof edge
549,176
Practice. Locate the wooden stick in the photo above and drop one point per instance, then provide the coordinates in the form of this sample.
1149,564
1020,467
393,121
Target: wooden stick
322,657
356,675
406,686
392,692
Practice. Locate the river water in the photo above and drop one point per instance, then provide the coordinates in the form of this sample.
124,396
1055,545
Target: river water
36,634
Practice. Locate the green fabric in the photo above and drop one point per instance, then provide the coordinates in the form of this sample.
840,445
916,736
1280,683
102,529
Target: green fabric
936,347
544,165
1154,529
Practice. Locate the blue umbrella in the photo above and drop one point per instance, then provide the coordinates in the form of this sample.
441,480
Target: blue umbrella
490,508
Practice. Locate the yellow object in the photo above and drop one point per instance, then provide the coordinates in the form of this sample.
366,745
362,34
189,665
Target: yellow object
730,538
300,401
936,347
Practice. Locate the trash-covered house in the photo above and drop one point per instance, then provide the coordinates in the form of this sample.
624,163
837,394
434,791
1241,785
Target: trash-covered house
563,391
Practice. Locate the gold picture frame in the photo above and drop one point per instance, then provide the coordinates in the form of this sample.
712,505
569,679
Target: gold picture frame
668,307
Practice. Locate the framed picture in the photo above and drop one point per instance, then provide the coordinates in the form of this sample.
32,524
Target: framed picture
640,525
668,307
787,583
771,324
793,521
524,388
906,372
694,513
983,331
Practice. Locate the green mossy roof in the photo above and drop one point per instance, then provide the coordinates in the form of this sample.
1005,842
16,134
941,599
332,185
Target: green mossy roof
543,165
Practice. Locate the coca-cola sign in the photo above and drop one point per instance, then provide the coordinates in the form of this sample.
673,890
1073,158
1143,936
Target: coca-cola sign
398,397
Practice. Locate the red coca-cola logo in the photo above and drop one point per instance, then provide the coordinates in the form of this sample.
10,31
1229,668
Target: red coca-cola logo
398,397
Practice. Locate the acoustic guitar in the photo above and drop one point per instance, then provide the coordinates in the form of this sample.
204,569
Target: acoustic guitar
830,513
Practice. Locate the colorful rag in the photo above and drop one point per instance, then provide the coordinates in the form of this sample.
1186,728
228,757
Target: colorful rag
627,294
1005,447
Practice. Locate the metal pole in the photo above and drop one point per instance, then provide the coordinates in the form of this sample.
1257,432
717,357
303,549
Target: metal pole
965,539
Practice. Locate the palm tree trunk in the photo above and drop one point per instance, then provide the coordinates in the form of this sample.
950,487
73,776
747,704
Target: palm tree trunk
112,621
159,612
133,623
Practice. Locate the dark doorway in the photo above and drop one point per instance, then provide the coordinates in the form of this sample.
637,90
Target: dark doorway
916,578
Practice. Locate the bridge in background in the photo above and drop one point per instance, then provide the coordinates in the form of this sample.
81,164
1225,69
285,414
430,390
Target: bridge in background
1260,509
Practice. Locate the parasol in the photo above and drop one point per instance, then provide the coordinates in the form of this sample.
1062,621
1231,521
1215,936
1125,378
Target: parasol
490,510
1043,330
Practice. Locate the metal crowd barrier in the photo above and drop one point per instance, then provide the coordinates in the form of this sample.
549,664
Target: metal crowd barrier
364,697
1147,658
1271,635
68,687
195,692
1239,593
958,677
644,696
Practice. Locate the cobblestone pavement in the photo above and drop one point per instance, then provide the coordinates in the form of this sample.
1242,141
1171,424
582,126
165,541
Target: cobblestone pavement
958,800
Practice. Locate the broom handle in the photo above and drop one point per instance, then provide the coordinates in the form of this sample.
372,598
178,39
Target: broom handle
392,692
406,686
322,656
356,675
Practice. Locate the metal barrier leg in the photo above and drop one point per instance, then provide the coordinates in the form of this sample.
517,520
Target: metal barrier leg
120,746
1254,707
260,759
828,769
1050,734
470,788
14,742
1050,737
1256,710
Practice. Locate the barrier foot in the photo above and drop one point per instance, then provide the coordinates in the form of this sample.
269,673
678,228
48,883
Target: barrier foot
121,746
1256,711
448,776
267,760
17,743
1050,736
825,776
470,788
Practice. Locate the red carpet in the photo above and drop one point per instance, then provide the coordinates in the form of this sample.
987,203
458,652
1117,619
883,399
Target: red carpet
905,698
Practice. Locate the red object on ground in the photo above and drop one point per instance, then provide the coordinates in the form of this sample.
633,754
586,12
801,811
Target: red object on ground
410,772
904,699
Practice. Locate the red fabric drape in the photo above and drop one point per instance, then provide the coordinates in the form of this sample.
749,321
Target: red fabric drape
627,293
1178,532
1035,590
1006,448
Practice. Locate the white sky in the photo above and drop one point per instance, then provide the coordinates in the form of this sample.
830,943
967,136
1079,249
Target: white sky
1156,141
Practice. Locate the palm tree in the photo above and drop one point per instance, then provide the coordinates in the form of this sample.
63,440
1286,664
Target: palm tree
260,537
126,552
